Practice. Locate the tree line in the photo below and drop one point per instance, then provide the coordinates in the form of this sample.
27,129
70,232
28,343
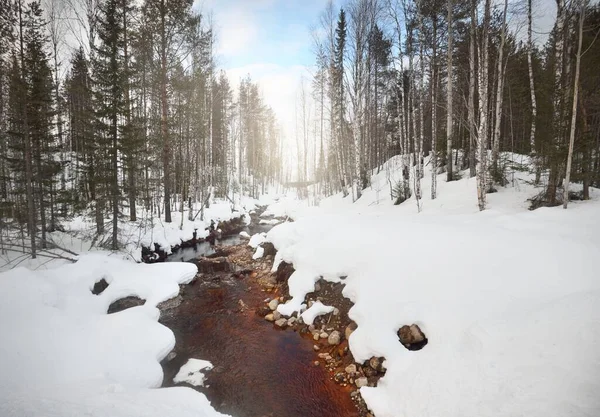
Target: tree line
135,118
451,79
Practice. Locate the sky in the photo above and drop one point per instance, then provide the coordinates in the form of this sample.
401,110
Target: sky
271,41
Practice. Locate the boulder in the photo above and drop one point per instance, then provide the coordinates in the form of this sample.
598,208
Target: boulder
412,337
284,271
125,303
350,329
99,287
268,248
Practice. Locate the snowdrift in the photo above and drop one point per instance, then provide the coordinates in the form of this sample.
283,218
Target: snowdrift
62,355
508,298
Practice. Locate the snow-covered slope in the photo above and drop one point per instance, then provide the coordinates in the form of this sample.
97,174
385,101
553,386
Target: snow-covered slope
508,298
62,355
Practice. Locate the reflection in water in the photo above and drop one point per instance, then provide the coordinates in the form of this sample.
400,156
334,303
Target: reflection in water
259,371
206,249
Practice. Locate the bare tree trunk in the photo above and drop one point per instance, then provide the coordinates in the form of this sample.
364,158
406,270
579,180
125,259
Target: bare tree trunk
574,109
482,133
433,83
28,163
130,157
164,114
531,89
472,81
449,117
419,150
499,99
557,101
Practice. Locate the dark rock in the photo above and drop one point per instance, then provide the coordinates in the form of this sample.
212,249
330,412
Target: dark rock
412,337
368,371
124,304
262,311
284,271
212,265
350,329
170,304
269,249
99,287
376,363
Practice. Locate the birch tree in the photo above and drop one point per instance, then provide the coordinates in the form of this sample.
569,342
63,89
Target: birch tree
482,132
449,114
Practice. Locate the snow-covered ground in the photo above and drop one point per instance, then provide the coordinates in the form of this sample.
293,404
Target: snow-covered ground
62,355
508,298
79,235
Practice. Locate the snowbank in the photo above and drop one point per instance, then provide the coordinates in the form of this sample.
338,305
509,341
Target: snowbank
317,309
62,355
508,298
191,372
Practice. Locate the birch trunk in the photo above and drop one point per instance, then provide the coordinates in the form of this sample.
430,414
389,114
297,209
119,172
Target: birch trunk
471,103
449,116
531,82
482,134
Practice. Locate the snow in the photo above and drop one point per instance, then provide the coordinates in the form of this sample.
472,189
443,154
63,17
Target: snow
288,205
269,221
506,297
317,309
257,239
62,355
191,372
260,251
244,234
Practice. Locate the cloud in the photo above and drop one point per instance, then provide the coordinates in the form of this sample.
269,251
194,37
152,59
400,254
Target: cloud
278,85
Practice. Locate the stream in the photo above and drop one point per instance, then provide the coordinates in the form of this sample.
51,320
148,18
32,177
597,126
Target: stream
259,370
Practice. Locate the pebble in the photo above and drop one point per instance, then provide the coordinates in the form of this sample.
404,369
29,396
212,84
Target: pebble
316,347
316,336
334,338
269,317
323,335
361,382
316,363
350,369
273,304
276,315
281,322
291,321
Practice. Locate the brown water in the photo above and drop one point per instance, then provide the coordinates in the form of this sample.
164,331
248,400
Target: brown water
258,371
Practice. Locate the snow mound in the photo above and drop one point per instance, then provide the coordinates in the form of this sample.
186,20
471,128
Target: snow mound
317,309
62,355
260,251
191,372
507,297
257,239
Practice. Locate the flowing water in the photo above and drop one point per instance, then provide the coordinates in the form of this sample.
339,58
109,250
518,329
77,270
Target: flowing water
259,371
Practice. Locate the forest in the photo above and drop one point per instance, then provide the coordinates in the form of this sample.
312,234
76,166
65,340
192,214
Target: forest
136,115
